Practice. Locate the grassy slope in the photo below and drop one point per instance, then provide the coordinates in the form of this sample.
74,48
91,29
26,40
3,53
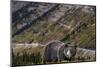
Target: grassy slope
46,31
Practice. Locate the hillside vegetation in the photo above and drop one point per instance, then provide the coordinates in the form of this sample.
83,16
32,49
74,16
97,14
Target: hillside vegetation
40,22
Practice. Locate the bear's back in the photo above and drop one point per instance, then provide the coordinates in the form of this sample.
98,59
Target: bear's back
52,49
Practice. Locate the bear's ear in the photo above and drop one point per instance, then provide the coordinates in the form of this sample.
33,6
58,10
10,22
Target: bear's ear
66,45
75,46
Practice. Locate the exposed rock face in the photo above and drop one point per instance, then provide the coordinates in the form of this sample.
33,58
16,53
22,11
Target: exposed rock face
85,54
58,51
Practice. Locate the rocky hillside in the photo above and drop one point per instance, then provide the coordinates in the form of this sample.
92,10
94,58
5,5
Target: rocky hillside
43,22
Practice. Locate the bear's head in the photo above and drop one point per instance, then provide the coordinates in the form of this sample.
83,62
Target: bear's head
70,51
